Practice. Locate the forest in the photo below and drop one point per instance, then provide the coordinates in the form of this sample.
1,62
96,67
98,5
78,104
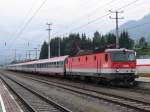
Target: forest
70,45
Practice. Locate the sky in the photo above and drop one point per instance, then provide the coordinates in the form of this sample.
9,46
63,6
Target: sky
66,16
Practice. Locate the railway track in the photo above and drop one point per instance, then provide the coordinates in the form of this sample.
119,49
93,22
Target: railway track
120,100
32,99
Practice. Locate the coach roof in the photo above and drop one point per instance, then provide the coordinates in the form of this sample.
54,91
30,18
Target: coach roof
55,59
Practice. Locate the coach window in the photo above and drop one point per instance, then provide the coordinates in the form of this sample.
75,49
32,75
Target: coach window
55,64
49,65
62,63
106,57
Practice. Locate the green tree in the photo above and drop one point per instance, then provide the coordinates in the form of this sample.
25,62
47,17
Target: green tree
44,51
142,43
96,39
110,38
69,45
125,41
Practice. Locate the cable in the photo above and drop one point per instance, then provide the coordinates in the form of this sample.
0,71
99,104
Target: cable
89,14
25,17
92,21
29,20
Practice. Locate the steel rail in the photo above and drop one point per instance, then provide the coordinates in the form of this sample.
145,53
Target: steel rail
42,96
123,101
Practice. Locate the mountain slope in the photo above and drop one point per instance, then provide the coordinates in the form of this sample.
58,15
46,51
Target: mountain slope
137,29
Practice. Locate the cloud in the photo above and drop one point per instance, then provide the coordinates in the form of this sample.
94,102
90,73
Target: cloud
65,16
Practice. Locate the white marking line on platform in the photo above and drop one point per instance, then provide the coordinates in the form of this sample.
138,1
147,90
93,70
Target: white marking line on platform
2,104
13,98
143,79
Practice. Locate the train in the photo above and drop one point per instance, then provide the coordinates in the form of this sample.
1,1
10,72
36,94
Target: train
110,65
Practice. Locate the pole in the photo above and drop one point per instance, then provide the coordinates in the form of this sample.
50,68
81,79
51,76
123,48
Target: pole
49,47
117,31
26,56
29,54
15,54
117,28
35,53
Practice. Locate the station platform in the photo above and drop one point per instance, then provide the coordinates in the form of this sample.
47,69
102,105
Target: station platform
7,101
143,79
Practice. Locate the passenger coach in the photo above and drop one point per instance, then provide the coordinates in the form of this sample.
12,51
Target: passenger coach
50,66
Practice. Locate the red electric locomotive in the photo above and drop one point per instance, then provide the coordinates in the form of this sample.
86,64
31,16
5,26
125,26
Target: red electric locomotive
113,65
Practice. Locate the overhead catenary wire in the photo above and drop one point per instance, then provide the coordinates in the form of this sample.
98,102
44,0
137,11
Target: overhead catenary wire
25,17
90,22
101,6
28,21
90,13
101,17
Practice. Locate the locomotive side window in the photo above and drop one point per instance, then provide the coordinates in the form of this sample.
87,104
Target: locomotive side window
95,58
78,59
86,58
106,57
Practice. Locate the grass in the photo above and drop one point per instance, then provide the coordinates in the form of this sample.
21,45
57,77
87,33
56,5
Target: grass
144,75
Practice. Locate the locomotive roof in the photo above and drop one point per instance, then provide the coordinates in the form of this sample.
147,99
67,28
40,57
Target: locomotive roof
89,52
54,59
122,49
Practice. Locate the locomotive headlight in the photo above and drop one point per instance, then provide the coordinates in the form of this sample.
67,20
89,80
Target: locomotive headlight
117,70
132,70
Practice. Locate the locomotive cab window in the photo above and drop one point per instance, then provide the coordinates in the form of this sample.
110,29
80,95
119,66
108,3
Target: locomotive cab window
106,57
122,56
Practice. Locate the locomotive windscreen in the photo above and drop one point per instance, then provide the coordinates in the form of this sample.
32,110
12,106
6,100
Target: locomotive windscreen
122,56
